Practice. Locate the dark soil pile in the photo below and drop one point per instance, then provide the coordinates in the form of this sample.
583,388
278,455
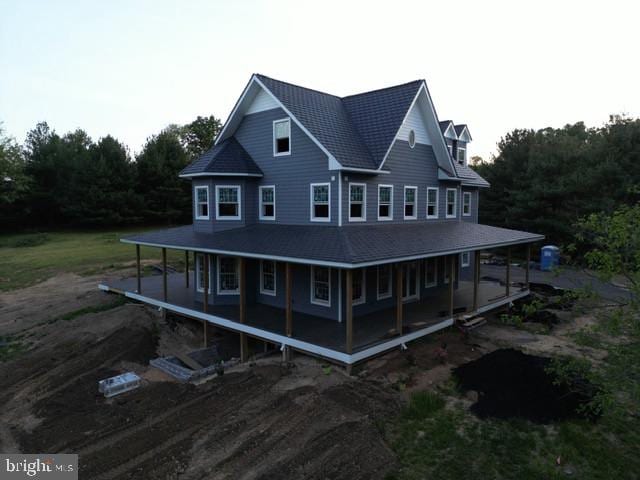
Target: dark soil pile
511,384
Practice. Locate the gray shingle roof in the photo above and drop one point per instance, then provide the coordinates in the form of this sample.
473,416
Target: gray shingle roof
469,176
459,128
340,246
228,157
357,129
444,124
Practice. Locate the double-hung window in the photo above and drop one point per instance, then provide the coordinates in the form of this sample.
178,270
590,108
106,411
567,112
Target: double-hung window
462,155
228,276
357,202
432,202
200,273
228,202
430,272
466,204
321,285
452,194
268,277
281,137
385,202
202,203
464,259
267,202
320,202
358,286
384,281
410,202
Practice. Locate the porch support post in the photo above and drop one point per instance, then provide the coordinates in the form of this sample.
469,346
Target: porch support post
138,276
526,270
242,281
508,288
205,273
399,305
186,268
452,260
349,308
476,278
288,300
165,294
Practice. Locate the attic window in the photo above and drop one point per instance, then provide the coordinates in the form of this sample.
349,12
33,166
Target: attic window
462,155
412,138
282,137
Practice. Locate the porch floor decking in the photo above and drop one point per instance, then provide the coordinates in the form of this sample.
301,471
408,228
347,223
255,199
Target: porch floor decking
368,329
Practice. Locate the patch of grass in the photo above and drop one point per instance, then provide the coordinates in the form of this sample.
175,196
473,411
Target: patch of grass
423,405
26,259
120,300
10,349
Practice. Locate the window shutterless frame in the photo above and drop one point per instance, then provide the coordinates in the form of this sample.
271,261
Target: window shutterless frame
238,202
433,195
385,284
412,203
358,201
269,271
464,259
265,205
462,155
282,137
223,281
452,203
321,285
319,203
385,203
201,205
200,273
360,272
466,204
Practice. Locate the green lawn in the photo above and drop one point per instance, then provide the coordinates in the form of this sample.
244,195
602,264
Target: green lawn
26,259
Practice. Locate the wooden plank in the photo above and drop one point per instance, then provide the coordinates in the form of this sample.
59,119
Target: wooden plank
165,293
188,361
186,268
508,287
476,278
399,304
288,300
138,272
452,260
349,310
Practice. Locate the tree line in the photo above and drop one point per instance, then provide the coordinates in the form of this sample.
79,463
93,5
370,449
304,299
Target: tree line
71,180
546,180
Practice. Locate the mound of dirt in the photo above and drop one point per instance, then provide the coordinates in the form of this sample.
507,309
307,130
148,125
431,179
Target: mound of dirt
511,384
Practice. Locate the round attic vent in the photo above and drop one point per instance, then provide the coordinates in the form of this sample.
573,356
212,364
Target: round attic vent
412,138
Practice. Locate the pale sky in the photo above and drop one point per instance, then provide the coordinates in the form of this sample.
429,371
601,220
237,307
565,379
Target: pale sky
129,68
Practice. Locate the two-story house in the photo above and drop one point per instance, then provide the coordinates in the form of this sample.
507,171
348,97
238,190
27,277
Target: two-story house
337,226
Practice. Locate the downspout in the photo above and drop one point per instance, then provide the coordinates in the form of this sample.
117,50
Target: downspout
339,198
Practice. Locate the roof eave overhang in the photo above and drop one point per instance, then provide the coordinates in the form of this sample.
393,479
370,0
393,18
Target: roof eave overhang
225,174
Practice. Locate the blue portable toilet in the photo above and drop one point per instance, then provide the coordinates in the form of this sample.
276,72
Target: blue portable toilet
549,257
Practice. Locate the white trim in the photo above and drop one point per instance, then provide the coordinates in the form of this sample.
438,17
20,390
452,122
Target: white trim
235,217
363,218
464,264
281,154
214,174
226,292
389,287
464,196
324,263
455,203
415,203
260,204
340,198
464,160
453,135
365,170
462,137
273,292
363,298
390,217
434,261
340,296
199,287
311,202
315,301
412,133
198,203
437,209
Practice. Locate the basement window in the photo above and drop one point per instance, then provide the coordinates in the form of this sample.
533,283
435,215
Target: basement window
282,137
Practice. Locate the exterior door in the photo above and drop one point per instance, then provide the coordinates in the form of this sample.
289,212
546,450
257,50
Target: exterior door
410,285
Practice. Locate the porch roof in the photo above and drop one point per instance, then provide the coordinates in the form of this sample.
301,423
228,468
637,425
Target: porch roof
350,246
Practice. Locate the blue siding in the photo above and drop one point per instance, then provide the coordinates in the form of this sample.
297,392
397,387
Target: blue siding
247,207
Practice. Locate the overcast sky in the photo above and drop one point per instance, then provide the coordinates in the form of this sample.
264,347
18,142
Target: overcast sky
129,68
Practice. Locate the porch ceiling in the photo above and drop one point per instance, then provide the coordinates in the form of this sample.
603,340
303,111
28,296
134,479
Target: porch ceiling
350,246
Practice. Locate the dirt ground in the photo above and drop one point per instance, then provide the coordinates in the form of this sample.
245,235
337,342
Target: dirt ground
261,420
